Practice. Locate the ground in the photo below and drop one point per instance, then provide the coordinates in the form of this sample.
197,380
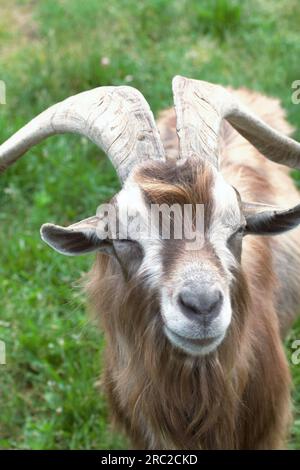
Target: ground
49,50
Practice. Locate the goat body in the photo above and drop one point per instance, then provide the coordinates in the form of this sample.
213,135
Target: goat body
238,398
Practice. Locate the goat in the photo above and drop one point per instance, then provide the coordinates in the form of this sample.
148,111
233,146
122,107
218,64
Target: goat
193,356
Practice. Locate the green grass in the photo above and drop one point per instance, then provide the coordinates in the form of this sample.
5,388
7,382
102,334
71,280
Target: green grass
52,49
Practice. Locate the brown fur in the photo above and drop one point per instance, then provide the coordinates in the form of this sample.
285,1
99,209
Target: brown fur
239,396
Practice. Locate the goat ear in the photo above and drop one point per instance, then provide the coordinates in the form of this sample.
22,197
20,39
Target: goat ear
83,237
262,219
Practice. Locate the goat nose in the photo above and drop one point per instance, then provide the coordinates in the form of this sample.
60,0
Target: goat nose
200,301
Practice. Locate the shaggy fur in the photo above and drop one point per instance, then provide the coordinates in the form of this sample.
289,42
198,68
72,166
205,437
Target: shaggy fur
168,400
239,396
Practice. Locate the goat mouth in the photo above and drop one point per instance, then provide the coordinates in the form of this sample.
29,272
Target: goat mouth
196,341
194,346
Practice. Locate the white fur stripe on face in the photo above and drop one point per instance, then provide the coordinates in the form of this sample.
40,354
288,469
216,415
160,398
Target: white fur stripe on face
130,200
226,218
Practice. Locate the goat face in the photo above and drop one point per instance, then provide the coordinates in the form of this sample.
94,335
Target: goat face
193,280
193,285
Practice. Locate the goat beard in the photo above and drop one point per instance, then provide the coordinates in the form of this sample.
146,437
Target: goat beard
155,389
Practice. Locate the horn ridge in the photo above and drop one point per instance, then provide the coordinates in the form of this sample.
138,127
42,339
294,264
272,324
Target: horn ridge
116,119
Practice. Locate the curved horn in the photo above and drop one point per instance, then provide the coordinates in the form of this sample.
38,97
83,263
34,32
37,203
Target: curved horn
200,108
117,119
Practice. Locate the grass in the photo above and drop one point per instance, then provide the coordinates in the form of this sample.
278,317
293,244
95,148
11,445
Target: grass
52,49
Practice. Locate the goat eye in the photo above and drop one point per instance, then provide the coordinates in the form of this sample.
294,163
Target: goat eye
129,254
123,245
124,241
234,242
236,233
240,230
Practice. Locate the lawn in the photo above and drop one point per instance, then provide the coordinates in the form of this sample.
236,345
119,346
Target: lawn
52,49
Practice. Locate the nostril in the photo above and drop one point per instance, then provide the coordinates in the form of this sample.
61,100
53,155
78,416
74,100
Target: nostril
200,301
215,301
187,302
